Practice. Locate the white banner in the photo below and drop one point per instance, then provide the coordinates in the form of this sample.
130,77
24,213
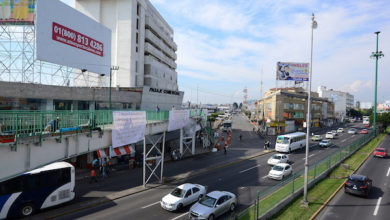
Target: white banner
178,119
67,37
128,127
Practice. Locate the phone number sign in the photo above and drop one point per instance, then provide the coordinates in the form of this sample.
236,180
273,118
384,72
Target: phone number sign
73,38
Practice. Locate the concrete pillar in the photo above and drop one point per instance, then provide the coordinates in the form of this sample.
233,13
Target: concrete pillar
181,141
49,105
193,143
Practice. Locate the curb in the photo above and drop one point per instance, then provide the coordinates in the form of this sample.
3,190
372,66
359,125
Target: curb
341,186
117,195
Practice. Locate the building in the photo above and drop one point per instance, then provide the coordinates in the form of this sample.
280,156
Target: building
357,104
285,109
142,47
343,101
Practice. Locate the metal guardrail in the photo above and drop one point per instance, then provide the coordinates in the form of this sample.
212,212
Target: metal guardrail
268,199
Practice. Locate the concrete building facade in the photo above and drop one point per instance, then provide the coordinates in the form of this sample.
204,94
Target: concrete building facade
142,42
285,110
343,101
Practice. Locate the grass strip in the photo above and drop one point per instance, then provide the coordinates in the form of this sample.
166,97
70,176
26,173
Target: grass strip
320,193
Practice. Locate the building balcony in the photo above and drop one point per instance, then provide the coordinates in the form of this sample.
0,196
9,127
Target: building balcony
149,22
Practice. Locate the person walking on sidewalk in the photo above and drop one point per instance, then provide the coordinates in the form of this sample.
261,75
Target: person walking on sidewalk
225,147
93,176
240,137
104,168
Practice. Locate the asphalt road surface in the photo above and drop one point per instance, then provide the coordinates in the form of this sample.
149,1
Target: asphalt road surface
244,179
376,205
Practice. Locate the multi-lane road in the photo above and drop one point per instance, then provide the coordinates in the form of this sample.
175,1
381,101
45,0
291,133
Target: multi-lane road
376,205
244,179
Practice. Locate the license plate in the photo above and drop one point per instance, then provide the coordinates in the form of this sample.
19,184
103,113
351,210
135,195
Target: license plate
354,187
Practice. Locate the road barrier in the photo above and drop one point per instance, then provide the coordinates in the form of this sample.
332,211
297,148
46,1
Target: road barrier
273,199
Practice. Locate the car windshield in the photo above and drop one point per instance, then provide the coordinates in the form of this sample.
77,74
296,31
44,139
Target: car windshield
352,129
278,168
379,150
178,192
283,140
208,201
276,157
325,141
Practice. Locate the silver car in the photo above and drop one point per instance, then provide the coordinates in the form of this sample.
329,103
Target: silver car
212,205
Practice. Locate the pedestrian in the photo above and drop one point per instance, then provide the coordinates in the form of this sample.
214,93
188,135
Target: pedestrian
222,138
218,146
53,125
225,147
157,109
173,107
93,176
267,144
108,166
240,137
229,139
216,135
104,168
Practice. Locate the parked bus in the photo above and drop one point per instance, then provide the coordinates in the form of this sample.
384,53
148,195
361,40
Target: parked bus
366,120
41,188
227,125
290,142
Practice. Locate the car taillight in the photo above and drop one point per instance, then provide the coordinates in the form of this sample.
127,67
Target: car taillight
346,183
363,187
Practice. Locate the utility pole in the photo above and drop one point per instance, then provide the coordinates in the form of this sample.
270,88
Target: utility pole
376,55
305,201
111,69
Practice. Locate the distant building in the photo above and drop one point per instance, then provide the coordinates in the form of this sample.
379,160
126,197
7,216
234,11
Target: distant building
285,110
343,101
366,105
357,104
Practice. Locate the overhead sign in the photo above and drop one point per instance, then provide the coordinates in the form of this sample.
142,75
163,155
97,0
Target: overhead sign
178,119
17,12
67,37
292,71
128,127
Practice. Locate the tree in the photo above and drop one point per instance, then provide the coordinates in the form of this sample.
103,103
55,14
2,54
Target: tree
235,105
354,113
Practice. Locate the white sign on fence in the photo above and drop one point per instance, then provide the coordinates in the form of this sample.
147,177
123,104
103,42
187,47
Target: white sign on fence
128,127
178,119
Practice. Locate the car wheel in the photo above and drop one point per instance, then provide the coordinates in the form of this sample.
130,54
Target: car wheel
232,207
26,209
180,206
211,217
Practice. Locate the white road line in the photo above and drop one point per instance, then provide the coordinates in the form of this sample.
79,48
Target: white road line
388,172
343,140
150,205
249,169
180,216
377,206
308,156
264,177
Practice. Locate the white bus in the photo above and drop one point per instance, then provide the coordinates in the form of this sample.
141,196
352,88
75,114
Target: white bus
41,188
290,142
366,120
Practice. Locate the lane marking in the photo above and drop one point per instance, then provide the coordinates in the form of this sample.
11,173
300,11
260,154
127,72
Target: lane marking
249,169
388,172
308,156
377,206
143,207
264,177
180,216
343,140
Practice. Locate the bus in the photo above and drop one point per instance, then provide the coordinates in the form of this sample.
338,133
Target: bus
290,142
366,120
227,125
41,188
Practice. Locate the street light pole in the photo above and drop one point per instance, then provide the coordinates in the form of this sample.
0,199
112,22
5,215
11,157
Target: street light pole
111,69
377,55
305,201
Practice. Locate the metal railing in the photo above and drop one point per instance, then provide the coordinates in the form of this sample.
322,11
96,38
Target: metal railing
272,196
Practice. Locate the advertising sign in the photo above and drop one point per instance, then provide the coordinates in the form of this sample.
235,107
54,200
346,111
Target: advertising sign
178,119
292,71
17,12
128,127
67,37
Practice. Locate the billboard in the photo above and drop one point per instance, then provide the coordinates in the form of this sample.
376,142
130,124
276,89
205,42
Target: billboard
17,12
292,71
128,127
67,37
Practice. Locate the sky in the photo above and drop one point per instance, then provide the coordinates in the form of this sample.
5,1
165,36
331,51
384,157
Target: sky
227,45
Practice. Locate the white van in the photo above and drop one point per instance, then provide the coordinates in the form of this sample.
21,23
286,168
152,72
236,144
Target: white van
290,142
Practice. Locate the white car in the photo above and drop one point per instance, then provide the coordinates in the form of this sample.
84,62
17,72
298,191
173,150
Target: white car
279,171
352,131
334,132
325,143
277,158
182,195
212,205
329,135
340,130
